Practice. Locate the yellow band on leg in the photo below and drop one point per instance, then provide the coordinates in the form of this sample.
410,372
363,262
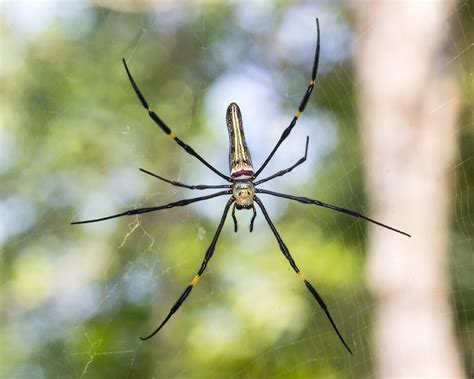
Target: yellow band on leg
195,280
301,275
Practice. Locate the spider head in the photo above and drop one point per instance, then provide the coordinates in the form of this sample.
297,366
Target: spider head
243,191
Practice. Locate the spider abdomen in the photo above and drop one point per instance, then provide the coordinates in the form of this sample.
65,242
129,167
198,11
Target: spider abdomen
240,162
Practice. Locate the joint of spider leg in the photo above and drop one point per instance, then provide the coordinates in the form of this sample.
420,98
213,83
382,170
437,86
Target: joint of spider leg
195,279
301,275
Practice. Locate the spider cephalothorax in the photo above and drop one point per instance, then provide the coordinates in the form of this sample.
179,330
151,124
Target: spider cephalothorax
243,192
242,188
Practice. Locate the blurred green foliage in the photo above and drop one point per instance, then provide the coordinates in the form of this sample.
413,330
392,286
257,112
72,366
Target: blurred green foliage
75,299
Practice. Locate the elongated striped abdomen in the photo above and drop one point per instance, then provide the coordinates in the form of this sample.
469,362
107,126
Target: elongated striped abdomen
240,162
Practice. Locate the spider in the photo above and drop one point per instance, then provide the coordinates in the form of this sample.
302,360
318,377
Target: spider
242,187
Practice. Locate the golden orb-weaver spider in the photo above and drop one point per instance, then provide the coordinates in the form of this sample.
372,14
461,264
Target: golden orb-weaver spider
243,188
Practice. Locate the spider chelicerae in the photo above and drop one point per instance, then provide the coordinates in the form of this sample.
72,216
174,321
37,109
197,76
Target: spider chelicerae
243,188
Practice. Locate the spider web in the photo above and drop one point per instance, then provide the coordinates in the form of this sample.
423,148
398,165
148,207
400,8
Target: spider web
75,299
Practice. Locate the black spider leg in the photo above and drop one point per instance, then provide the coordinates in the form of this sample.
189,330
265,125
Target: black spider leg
306,200
207,257
236,227
178,184
309,286
301,107
179,203
253,218
166,128
286,171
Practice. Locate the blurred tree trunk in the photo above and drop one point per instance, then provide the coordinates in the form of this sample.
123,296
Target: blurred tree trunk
409,108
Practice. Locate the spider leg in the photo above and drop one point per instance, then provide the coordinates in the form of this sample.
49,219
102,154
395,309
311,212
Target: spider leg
301,107
178,184
166,128
235,219
283,172
349,212
179,203
308,285
253,218
207,257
